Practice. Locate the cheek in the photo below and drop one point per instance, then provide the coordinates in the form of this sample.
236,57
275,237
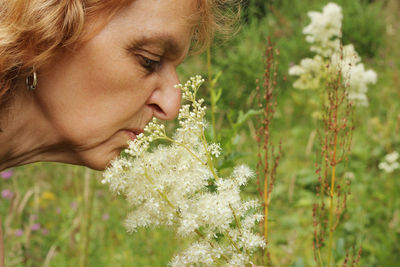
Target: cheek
93,102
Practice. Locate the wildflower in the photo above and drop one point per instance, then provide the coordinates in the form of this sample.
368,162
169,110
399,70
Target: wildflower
105,216
215,150
45,231
170,185
390,163
35,227
18,232
73,205
311,72
324,29
350,175
324,35
7,194
99,193
48,196
6,174
45,198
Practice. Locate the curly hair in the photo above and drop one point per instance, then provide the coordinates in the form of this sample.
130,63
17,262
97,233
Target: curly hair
32,32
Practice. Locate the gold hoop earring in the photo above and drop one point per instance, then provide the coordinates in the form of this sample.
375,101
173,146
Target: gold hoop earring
31,81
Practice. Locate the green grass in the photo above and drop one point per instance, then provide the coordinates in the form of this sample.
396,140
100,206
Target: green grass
372,220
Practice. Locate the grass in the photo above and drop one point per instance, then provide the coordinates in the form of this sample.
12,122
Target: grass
81,222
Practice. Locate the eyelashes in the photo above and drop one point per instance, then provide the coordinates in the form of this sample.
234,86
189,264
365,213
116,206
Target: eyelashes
149,64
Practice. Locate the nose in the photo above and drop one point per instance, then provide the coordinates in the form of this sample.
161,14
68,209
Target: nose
165,100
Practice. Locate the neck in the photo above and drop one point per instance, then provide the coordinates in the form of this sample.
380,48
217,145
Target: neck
26,135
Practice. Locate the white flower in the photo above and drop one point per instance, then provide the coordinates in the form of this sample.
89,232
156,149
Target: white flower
170,186
199,253
311,72
392,157
390,163
215,150
242,173
324,29
324,33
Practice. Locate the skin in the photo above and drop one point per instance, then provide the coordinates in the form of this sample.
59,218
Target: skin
89,102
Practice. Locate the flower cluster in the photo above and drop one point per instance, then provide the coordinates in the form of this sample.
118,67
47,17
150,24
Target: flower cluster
390,163
324,35
324,30
177,185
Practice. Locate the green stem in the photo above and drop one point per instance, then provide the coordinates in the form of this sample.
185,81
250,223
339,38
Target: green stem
236,218
320,258
86,218
233,243
212,93
332,191
209,158
237,223
185,147
158,191
1,244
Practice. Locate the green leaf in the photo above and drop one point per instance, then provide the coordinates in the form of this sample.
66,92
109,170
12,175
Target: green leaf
243,117
216,96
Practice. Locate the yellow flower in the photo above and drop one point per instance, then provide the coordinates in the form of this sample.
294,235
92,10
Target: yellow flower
48,196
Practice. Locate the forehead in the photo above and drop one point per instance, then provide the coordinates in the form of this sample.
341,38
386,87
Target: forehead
158,15
154,19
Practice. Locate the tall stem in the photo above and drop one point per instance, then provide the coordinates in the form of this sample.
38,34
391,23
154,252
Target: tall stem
212,93
332,191
86,218
1,244
266,196
209,158
331,204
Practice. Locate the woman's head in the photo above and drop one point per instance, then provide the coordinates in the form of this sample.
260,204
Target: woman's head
105,68
32,32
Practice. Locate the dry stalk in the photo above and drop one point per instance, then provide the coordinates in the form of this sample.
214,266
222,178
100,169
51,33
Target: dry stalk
86,218
1,244
268,158
335,142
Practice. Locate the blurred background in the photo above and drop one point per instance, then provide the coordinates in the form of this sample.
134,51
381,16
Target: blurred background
61,215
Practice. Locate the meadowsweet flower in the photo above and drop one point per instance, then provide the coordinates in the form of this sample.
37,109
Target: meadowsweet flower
311,72
390,163
324,29
215,150
170,185
201,253
324,35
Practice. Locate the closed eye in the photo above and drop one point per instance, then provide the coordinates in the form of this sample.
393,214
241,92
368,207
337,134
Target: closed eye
149,64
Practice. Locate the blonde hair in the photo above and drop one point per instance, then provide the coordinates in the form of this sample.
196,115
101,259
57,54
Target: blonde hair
32,32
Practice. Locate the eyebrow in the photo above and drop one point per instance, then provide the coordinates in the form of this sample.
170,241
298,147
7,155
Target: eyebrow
166,40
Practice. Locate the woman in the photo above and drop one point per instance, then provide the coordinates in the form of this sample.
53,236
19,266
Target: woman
79,78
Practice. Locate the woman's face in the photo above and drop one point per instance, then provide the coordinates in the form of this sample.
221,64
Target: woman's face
101,95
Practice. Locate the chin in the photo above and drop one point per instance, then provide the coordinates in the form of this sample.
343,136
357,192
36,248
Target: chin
100,162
